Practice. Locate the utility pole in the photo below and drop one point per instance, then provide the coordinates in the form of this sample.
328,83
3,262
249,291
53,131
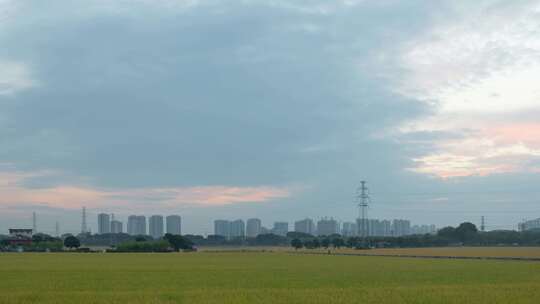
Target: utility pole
362,197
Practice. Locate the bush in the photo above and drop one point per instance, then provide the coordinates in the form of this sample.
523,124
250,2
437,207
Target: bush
152,246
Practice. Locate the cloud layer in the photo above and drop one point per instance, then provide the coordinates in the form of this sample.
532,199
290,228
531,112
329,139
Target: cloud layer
155,105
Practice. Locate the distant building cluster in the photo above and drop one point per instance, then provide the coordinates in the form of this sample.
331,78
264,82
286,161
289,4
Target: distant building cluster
325,226
386,228
239,229
137,225
529,225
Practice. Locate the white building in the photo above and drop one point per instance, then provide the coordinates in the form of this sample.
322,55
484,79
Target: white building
349,229
305,226
223,228
174,224
280,228
529,225
253,227
136,225
423,229
155,226
401,227
363,227
104,223
238,229
327,226
117,226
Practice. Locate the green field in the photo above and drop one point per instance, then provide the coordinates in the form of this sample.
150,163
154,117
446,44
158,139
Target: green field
261,278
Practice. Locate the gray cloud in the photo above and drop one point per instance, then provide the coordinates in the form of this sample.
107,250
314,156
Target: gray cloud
139,94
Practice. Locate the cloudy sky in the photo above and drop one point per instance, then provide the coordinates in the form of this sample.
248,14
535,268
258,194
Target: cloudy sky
271,109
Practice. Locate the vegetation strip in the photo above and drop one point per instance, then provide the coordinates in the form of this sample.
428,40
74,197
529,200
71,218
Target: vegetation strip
422,256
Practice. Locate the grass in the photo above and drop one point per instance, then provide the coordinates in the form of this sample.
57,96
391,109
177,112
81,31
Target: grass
518,252
261,278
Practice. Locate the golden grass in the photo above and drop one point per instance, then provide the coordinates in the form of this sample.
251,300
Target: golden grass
253,277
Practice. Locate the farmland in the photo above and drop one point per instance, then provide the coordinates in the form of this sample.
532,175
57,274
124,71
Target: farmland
502,252
261,277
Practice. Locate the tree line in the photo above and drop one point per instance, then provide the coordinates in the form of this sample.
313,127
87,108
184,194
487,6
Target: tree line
465,234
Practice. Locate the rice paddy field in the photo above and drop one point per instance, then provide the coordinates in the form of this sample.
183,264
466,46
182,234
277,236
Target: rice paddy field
504,252
261,277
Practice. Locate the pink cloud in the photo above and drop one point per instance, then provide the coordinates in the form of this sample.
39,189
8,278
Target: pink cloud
526,133
501,150
13,192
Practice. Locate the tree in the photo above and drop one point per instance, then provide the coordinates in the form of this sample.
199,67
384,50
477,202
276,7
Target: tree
466,231
72,242
270,240
297,244
140,238
299,235
447,232
178,242
352,242
325,243
338,242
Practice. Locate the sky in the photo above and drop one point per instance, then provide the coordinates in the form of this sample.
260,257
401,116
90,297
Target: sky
270,109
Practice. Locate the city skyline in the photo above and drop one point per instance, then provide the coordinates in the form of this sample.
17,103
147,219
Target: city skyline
157,225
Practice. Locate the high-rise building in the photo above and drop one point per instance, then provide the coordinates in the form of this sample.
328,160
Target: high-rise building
363,227
136,225
281,228
327,226
375,227
423,229
305,226
174,224
529,225
238,229
84,227
34,222
253,227
104,223
155,226
386,228
265,230
223,228
401,227
117,226
349,229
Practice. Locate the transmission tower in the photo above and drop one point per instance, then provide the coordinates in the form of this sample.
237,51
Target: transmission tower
362,198
84,228
34,223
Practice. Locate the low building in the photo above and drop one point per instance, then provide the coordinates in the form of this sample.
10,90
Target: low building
20,236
